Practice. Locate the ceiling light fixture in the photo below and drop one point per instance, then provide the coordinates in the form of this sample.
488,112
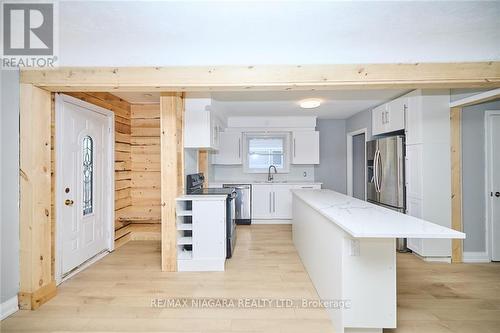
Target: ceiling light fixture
310,103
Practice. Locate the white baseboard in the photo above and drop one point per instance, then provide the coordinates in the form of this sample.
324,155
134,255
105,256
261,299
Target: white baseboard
446,260
476,257
255,221
9,307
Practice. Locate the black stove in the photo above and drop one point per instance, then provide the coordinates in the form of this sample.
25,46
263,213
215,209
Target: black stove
194,186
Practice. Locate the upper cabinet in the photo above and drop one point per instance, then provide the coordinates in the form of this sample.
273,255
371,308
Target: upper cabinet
201,127
230,149
389,117
305,147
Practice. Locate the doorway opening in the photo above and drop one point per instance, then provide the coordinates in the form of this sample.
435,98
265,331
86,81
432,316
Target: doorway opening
356,164
492,181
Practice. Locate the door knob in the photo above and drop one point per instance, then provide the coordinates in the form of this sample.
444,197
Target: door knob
69,202
497,194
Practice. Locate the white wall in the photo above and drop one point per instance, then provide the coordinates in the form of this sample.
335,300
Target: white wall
333,155
473,168
9,185
131,33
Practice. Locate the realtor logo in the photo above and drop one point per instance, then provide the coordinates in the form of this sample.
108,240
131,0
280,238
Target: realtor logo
29,32
28,29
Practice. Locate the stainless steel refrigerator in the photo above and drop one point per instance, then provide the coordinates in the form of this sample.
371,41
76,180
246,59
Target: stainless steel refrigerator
385,175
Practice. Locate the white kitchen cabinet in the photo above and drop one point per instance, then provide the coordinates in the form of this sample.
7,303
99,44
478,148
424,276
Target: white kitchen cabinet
414,171
305,147
378,119
230,149
413,119
389,117
274,201
282,201
201,126
262,204
428,169
201,234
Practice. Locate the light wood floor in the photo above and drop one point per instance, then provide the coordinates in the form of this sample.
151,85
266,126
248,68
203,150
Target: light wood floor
115,294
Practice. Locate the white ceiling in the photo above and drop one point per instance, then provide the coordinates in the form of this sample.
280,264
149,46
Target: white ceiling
336,104
157,33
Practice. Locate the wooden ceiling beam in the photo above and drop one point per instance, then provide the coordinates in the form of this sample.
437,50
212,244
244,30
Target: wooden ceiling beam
267,77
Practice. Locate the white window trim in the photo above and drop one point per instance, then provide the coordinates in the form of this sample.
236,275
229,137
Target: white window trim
286,150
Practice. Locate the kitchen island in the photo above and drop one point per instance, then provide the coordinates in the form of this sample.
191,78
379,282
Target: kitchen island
348,247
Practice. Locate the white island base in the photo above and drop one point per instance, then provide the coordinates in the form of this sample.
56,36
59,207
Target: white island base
348,248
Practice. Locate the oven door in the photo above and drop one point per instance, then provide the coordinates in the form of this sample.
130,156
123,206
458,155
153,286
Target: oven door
230,226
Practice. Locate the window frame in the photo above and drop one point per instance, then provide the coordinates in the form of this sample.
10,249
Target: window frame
255,135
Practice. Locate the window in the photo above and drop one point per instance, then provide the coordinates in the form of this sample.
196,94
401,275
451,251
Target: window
263,150
88,175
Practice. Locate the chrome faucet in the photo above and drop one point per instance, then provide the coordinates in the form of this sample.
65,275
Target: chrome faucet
269,176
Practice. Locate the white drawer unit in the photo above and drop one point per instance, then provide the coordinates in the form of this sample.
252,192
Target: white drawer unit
201,234
274,201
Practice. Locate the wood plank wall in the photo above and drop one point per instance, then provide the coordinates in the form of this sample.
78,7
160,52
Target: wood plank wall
145,147
123,159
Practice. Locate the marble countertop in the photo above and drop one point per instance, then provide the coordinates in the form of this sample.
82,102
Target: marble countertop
202,197
253,182
362,219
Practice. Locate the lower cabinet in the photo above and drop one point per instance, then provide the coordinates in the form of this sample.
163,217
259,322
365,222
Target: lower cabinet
201,234
274,201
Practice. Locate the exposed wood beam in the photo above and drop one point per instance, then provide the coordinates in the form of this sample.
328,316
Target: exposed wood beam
172,173
37,284
477,99
267,77
456,181
203,165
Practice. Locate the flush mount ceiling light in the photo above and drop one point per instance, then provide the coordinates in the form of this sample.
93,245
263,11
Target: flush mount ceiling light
310,103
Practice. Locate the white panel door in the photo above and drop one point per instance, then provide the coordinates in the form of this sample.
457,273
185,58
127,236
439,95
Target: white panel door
262,201
305,147
493,184
83,143
230,149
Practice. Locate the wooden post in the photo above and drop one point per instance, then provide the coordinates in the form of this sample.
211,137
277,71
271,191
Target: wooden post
203,165
172,173
37,284
456,181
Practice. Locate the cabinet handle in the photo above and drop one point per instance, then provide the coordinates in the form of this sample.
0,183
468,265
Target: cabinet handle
383,117
274,202
294,147
306,187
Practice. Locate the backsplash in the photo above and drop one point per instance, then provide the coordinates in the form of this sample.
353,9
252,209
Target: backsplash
235,173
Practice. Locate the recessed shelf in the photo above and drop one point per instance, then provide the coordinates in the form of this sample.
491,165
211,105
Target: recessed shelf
184,213
184,240
184,226
184,255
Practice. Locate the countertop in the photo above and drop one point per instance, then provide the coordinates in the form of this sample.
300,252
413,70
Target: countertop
362,219
263,182
202,197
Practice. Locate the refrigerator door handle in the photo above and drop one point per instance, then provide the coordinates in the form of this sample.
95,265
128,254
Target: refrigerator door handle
375,171
379,170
